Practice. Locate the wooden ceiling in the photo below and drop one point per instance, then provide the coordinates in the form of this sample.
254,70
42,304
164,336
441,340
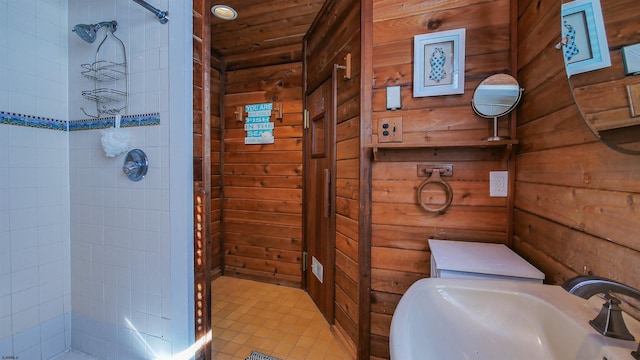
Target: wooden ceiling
265,31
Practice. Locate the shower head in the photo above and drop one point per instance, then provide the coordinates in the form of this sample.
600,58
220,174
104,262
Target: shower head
88,32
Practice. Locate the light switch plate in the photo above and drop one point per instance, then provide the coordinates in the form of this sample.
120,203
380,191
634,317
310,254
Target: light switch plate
394,97
631,59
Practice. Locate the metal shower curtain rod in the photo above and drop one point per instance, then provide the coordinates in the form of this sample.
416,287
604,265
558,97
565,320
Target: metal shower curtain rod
163,16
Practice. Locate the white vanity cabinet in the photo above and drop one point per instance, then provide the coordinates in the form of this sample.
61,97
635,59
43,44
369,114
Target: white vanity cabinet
468,260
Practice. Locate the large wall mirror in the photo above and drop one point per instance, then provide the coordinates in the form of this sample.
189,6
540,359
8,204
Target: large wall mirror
608,99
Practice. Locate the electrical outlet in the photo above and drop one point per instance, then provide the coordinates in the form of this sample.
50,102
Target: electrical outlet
498,183
390,129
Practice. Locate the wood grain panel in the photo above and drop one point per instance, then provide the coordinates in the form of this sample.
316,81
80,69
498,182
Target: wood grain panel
263,252
262,276
282,243
575,197
261,217
348,208
290,182
561,128
379,347
461,217
589,165
348,246
394,282
347,226
348,129
263,183
464,193
346,265
348,286
380,324
257,193
400,259
384,303
400,228
346,303
265,33
347,188
389,9
607,214
263,169
463,170
479,18
259,230
415,238
274,267
578,251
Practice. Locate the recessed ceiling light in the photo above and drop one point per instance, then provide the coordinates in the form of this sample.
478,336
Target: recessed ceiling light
224,12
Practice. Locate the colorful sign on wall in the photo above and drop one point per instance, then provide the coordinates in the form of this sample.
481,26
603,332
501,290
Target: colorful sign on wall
258,126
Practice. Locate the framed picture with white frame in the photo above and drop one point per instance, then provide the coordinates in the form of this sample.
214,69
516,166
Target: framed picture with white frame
584,40
438,63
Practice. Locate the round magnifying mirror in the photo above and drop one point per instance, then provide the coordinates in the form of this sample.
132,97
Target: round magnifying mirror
496,96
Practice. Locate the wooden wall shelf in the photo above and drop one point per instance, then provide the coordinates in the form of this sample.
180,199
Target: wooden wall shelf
386,151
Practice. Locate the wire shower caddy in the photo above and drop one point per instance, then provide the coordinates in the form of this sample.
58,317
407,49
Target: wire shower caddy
110,78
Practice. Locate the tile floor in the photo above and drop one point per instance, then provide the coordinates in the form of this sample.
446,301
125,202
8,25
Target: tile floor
275,320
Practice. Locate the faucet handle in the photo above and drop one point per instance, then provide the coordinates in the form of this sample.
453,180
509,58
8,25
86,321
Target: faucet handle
609,321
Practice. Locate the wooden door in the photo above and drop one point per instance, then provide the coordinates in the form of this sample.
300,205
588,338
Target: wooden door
319,198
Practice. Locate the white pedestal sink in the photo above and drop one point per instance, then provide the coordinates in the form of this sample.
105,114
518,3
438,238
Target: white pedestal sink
492,319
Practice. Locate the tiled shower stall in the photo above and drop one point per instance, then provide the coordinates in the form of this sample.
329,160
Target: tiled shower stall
90,260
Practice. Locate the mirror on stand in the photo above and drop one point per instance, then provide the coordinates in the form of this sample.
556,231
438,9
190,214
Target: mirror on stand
496,96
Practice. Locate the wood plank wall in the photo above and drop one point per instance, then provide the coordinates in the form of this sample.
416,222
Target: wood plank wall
262,184
335,33
400,228
575,198
215,252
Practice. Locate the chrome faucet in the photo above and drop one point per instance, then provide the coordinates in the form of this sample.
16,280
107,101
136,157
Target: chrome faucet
609,321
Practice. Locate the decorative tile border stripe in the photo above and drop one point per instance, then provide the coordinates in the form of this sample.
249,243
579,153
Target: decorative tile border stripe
7,118
103,123
32,121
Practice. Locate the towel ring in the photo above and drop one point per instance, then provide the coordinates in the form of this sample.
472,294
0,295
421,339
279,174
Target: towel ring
436,179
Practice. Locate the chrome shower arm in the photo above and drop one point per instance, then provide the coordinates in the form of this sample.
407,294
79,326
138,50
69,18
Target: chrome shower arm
163,16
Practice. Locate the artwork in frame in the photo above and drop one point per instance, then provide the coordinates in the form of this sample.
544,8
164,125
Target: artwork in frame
584,40
438,63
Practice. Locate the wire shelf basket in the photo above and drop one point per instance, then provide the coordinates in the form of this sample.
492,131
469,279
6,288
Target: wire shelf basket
105,95
104,70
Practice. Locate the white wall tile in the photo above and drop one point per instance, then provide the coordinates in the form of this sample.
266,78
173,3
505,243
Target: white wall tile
6,334
52,309
5,306
5,284
5,258
53,346
24,279
114,246
26,320
23,260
